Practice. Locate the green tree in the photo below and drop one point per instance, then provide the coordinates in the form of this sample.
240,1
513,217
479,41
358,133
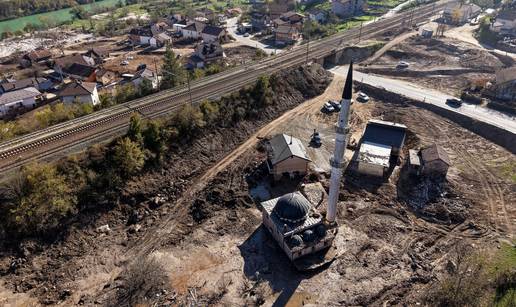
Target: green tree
146,87
135,128
155,137
128,157
79,12
262,92
42,199
188,120
173,72
210,111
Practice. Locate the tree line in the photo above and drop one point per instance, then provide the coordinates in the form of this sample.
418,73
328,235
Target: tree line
18,8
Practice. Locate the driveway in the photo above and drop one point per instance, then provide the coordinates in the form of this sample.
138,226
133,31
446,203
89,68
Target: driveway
232,29
416,92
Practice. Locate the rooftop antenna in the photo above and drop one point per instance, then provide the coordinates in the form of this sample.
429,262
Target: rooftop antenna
338,161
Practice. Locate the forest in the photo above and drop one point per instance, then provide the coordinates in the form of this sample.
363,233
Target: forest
17,8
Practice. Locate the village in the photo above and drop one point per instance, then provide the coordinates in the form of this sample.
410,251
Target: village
381,174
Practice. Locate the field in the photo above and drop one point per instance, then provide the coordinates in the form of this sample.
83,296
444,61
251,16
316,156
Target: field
57,17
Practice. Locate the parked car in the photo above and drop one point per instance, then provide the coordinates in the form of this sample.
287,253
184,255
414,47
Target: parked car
454,102
246,34
124,63
402,65
335,104
328,108
316,141
362,97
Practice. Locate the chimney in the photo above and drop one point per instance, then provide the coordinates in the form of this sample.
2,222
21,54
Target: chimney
338,162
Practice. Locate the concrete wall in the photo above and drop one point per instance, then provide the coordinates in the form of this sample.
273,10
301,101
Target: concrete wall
370,169
492,133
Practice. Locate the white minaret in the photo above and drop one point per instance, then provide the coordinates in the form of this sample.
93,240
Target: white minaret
338,161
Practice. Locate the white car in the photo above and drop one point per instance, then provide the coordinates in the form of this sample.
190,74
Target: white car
362,97
124,63
402,65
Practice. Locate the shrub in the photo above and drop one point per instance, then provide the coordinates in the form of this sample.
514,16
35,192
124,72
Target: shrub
128,157
38,199
143,279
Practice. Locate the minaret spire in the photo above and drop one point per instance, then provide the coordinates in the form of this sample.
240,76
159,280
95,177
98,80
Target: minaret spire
338,161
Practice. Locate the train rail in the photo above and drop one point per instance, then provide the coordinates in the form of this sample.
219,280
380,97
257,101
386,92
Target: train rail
107,123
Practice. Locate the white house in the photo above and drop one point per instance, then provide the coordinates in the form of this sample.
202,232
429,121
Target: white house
206,53
140,36
193,30
160,40
24,98
211,34
346,8
145,74
83,92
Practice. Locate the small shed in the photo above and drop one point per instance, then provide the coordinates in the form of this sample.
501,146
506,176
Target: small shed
287,156
435,161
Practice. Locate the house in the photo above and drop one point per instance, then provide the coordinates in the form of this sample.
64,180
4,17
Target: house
278,7
205,54
36,56
317,15
505,23
435,161
288,28
193,30
505,87
259,21
380,142
13,101
287,33
105,77
205,13
81,72
292,17
41,84
81,92
145,74
460,13
287,157
159,27
140,36
346,8
98,55
64,63
213,34
160,40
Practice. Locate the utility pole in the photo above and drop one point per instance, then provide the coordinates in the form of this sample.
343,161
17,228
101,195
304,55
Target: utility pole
157,74
308,42
187,82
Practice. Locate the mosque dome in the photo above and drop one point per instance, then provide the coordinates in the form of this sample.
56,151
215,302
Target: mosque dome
292,208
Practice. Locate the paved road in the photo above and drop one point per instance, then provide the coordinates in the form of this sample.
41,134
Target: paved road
417,92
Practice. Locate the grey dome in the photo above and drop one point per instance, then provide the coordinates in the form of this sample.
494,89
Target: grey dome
292,208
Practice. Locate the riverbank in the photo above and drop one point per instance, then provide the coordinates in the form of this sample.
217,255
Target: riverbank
56,17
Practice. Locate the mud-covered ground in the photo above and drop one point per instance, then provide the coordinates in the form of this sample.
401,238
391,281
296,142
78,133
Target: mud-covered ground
73,269
204,228
445,64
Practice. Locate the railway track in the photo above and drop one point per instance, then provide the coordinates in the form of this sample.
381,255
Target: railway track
107,123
